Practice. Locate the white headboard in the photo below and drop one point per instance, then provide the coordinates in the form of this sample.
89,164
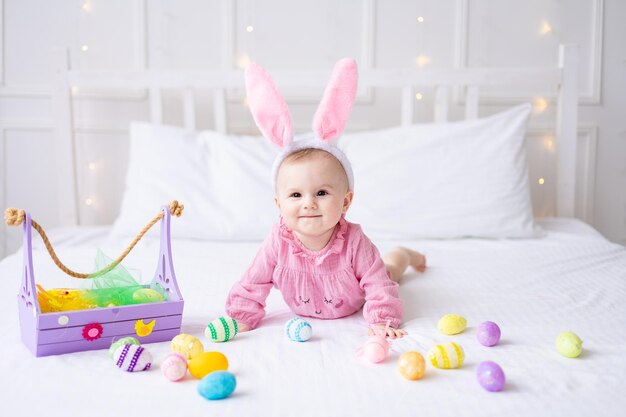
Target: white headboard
561,77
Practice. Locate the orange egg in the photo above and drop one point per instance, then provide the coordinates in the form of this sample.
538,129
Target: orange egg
411,365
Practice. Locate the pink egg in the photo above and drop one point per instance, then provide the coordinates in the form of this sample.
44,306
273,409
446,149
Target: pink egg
490,376
488,333
174,367
376,349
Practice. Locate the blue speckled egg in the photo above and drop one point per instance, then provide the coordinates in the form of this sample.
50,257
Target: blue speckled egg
217,385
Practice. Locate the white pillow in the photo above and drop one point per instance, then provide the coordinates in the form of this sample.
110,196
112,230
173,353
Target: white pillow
223,181
443,180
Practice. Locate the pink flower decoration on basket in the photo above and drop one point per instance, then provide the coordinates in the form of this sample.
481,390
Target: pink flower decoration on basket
92,331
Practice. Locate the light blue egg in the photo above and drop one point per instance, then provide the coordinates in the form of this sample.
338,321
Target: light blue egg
217,385
298,330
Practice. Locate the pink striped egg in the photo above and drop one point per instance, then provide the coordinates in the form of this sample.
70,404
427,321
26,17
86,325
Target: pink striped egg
132,358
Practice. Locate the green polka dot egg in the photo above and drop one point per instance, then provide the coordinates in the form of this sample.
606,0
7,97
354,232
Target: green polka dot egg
221,330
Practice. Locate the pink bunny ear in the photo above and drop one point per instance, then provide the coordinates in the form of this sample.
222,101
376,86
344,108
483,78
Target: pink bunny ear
268,106
332,114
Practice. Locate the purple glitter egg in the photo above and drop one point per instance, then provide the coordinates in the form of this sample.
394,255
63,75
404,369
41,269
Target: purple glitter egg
490,376
488,333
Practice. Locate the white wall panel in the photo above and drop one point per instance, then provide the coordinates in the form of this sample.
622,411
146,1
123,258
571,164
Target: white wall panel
515,33
28,175
185,34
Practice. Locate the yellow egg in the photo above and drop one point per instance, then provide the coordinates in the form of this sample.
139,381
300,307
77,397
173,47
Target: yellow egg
187,345
412,365
203,364
446,355
569,344
452,324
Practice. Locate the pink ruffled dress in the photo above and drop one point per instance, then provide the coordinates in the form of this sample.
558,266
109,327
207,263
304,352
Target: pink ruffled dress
334,282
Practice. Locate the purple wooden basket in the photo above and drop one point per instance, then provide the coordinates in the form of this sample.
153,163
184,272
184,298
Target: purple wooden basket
73,331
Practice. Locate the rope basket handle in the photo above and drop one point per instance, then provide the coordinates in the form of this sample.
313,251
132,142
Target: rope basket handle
15,217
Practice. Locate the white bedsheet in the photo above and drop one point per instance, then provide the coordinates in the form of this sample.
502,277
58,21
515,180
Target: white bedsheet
572,279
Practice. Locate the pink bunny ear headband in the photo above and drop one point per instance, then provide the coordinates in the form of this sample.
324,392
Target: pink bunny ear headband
271,114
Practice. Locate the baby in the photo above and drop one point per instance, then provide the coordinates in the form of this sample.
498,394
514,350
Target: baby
324,266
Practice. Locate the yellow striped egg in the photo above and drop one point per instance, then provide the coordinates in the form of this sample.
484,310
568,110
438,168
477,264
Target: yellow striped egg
452,324
447,355
187,345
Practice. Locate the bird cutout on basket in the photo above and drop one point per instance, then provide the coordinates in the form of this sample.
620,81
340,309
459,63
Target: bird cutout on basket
116,287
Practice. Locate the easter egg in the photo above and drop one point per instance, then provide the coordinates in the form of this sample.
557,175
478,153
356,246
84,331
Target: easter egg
446,355
376,348
490,376
217,385
488,333
452,324
412,365
221,330
298,330
123,341
206,362
147,295
569,344
174,367
186,345
132,358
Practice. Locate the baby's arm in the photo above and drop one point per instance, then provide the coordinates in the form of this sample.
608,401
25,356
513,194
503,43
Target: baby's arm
382,303
246,300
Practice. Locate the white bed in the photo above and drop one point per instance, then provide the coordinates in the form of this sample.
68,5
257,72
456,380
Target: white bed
571,279
535,279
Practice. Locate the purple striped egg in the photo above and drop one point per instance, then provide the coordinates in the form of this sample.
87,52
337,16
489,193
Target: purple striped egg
132,358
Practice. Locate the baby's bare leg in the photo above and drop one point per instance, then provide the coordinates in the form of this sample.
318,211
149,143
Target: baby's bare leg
398,260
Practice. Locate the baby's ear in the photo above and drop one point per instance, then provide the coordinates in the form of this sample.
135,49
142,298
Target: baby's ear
332,114
347,201
267,105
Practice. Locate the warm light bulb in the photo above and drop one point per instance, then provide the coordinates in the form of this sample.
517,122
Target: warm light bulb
540,104
86,7
541,181
243,61
75,90
420,19
548,143
92,166
422,60
545,28
89,201
250,29
418,96
84,48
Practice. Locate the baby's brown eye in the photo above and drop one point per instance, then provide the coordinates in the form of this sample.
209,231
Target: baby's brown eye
295,195
322,193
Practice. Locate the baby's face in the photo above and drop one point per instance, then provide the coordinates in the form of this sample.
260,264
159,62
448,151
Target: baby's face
312,194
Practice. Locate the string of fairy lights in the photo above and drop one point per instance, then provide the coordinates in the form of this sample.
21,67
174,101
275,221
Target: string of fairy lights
422,60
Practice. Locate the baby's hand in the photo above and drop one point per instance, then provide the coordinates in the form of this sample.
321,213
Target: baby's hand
242,327
391,332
